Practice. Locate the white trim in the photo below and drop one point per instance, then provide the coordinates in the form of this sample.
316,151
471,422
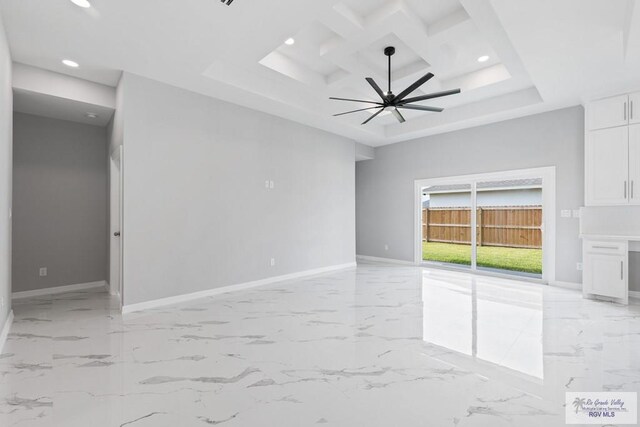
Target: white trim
567,285
548,175
384,260
5,330
232,288
59,289
634,294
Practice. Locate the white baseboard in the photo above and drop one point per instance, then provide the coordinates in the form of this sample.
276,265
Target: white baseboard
634,294
232,288
5,330
384,260
566,285
59,289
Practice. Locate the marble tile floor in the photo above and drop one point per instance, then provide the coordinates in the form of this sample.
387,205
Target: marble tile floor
373,346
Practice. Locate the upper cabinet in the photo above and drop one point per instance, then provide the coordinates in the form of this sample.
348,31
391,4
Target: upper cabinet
609,112
612,151
607,166
634,108
634,164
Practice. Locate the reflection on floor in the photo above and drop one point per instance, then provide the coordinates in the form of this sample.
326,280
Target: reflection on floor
374,346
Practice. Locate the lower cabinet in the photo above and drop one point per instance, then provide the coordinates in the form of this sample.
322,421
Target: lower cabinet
606,270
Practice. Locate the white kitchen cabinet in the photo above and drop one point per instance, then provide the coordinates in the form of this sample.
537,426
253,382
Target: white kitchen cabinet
607,167
634,164
609,112
606,270
634,108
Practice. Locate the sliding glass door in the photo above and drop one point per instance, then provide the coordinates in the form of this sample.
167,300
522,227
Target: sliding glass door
492,222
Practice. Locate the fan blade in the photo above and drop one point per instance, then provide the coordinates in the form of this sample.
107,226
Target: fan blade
421,108
375,87
373,116
431,96
355,111
422,80
355,100
398,115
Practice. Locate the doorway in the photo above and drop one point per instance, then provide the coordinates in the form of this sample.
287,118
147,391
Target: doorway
115,227
492,223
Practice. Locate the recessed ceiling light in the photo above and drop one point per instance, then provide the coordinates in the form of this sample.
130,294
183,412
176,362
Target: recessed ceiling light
290,41
81,3
483,58
70,63
92,115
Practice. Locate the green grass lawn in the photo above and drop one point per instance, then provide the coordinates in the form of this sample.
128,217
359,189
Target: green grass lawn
515,259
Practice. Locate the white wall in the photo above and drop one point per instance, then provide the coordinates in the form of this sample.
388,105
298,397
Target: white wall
385,185
6,142
197,215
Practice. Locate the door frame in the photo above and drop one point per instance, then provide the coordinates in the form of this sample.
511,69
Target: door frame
548,175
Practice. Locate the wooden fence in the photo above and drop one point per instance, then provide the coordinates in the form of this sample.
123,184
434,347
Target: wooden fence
510,226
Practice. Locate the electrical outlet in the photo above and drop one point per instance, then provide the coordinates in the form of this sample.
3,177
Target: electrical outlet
273,262
576,213
43,271
271,185
579,266
266,184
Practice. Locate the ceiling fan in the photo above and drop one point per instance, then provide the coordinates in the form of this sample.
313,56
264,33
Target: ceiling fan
391,102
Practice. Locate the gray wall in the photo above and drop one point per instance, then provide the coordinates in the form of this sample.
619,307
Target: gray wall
60,202
197,215
385,185
6,108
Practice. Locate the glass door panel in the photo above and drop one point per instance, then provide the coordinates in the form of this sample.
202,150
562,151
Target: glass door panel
509,226
446,225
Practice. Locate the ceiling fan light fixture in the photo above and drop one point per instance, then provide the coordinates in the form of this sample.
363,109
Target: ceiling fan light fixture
290,41
483,58
390,103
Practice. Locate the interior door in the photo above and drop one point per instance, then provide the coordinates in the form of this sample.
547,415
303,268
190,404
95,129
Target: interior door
634,164
607,166
115,228
121,222
609,112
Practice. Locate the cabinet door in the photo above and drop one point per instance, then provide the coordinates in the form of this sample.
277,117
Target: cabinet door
608,112
634,164
634,108
605,275
607,167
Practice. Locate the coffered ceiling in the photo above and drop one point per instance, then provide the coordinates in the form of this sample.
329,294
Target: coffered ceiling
543,54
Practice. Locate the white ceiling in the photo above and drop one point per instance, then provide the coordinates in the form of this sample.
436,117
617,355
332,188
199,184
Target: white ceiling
545,54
